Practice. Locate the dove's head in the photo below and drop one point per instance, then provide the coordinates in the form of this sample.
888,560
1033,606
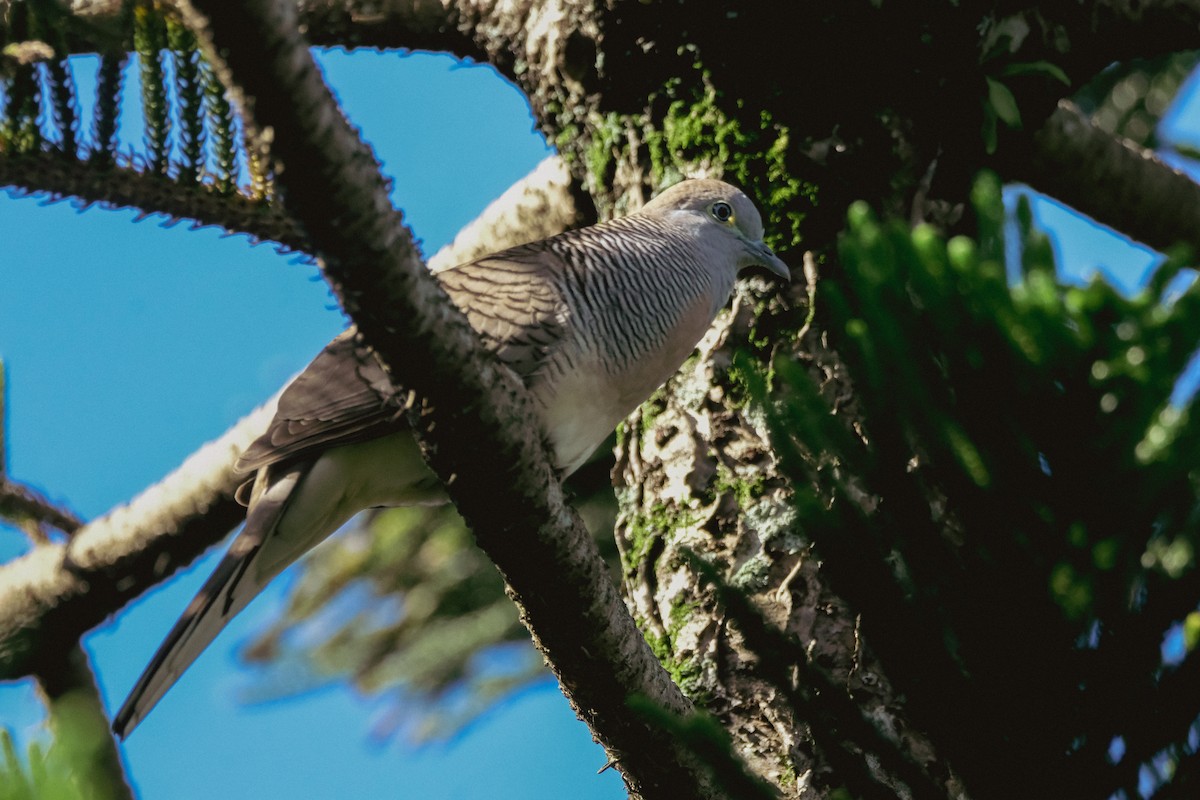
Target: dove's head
724,217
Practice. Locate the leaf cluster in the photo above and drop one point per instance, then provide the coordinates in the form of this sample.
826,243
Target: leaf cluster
189,130
65,767
403,604
1014,507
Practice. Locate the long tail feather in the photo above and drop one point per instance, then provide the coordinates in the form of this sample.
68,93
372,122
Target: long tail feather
231,587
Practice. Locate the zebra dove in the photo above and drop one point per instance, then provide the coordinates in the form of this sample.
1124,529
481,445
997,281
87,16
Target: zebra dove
592,321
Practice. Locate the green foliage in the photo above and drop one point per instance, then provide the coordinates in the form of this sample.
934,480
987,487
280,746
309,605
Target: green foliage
190,89
999,105
190,132
696,130
63,111
406,606
108,106
63,770
149,40
999,102
19,130
224,139
1034,518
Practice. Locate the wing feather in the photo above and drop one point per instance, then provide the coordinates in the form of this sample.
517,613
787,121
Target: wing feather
513,299
341,397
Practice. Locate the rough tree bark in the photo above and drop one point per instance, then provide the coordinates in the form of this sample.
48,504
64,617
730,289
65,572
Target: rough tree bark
862,113
852,101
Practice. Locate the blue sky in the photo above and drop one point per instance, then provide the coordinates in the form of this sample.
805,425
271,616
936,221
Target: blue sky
128,345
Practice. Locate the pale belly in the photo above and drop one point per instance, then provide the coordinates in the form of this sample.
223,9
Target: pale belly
588,402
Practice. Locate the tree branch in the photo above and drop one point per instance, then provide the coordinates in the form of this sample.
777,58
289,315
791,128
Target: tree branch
55,593
1112,181
81,727
18,501
480,435
545,202
123,187
421,25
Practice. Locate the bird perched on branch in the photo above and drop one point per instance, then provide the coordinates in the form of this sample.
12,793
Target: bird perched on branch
592,321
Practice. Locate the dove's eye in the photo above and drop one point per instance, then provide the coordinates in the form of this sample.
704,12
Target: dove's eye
722,211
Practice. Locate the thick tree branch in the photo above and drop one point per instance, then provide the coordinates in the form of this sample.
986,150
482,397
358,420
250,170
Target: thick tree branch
55,593
1112,181
480,435
582,62
122,187
1162,25
543,203
438,25
81,727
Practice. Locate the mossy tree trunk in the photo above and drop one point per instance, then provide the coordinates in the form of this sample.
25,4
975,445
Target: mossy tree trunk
835,103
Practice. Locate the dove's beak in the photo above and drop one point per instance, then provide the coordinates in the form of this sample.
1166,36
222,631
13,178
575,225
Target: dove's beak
765,257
